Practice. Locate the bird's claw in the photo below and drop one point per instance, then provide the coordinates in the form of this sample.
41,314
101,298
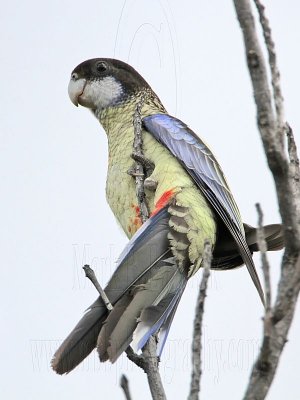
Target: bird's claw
146,163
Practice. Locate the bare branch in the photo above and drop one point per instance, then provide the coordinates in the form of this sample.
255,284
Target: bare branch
262,245
138,171
90,274
148,361
265,350
275,337
275,75
197,333
286,174
135,358
267,125
294,162
125,386
288,290
152,371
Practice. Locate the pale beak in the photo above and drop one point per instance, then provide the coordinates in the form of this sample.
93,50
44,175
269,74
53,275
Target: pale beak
75,89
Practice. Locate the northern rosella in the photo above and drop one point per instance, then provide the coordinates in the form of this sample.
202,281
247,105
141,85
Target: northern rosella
189,202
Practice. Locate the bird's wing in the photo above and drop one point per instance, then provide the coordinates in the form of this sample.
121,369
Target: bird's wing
197,159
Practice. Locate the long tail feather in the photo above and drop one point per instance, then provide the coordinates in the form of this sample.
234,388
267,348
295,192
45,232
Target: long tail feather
164,283
226,255
165,328
273,236
138,262
153,318
81,341
110,324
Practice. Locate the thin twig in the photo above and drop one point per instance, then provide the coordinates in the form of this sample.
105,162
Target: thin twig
275,75
135,358
139,170
262,246
124,383
90,274
197,333
268,322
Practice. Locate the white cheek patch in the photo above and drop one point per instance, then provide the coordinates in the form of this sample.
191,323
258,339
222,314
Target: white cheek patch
101,94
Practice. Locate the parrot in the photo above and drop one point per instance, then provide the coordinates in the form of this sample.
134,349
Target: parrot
190,204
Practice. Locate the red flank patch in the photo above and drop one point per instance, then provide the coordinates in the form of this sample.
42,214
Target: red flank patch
163,200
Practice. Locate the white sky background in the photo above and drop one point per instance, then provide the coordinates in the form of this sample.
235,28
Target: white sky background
54,216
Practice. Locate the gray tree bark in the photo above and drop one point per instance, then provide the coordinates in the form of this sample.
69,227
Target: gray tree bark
274,133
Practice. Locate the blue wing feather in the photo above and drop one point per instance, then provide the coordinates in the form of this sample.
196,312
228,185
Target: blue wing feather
198,160
196,156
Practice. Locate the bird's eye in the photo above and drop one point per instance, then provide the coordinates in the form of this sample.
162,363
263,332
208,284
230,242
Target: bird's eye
74,76
101,66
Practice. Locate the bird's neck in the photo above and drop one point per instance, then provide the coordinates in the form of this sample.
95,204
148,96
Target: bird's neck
119,118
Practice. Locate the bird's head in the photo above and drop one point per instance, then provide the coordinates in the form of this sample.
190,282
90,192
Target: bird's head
100,83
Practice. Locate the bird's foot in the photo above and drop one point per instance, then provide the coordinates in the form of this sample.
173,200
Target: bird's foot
146,163
150,184
133,172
